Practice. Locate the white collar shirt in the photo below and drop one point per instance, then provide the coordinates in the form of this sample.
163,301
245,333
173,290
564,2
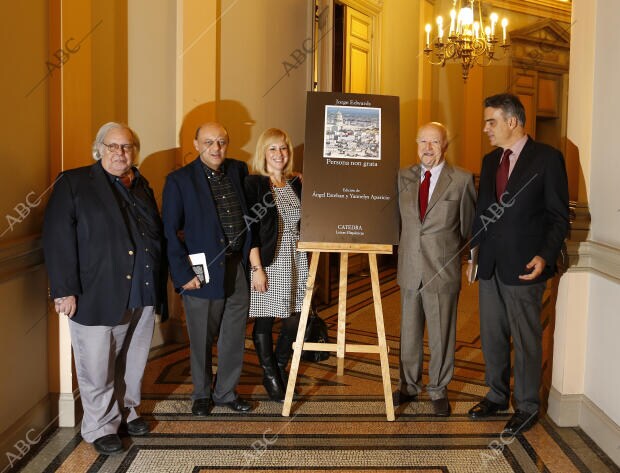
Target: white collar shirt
435,172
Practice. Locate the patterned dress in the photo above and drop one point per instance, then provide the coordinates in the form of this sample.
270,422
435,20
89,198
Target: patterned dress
287,274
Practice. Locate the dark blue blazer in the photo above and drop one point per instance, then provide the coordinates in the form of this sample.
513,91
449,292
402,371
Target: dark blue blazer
192,225
532,219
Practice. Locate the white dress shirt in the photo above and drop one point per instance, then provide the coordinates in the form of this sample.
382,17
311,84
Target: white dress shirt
435,172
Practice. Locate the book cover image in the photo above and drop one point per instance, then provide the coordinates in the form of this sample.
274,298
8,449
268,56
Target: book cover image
352,132
351,162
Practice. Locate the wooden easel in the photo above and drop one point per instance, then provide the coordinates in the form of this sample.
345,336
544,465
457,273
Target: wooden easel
340,347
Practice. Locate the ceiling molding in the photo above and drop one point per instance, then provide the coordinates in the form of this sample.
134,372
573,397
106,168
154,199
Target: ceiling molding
546,31
553,9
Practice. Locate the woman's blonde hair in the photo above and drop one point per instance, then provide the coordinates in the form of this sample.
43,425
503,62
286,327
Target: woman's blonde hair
258,163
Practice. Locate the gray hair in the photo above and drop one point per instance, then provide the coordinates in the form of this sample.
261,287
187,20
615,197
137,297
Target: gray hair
509,104
97,148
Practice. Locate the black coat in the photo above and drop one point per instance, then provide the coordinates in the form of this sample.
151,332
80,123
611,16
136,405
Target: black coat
265,225
533,220
88,247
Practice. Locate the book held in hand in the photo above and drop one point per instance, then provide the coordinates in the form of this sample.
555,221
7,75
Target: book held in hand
473,259
199,265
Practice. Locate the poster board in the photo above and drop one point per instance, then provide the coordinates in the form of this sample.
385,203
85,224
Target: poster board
351,161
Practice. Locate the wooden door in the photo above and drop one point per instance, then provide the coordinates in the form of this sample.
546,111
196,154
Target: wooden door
357,51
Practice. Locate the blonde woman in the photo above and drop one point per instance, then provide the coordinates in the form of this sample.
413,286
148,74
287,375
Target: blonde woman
278,271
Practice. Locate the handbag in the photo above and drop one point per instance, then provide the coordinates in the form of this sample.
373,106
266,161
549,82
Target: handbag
316,332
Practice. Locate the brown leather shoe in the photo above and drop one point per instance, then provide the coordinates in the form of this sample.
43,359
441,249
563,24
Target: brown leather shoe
441,407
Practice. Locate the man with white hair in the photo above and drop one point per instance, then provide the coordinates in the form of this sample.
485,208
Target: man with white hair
437,203
103,242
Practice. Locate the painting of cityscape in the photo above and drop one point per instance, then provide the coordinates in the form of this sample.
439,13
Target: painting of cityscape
352,132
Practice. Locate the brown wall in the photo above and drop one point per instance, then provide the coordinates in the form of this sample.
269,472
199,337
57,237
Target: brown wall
24,151
399,68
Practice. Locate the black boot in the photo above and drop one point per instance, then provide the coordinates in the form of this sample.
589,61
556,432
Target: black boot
284,349
284,346
271,378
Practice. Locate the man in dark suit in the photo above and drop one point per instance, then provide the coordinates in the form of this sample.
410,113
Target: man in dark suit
103,243
437,203
520,225
203,212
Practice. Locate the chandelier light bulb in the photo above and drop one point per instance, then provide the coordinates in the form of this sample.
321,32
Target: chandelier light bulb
469,41
440,27
493,22
452,21
467,16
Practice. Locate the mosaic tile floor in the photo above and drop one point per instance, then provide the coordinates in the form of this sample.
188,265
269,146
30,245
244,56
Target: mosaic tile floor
336,424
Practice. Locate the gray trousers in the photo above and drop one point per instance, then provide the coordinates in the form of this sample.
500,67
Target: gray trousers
225,319
438,311
505,312
110,364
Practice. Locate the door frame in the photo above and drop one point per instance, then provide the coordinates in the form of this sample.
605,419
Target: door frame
324,47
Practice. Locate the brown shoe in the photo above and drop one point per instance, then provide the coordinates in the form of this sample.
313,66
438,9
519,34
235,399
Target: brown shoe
441,407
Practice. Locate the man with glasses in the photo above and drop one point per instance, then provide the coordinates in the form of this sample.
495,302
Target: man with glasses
437,203
103,241
203,212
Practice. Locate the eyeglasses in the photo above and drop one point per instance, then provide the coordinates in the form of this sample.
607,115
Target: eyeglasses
115,147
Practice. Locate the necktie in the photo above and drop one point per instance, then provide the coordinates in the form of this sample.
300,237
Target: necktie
501,178
423,195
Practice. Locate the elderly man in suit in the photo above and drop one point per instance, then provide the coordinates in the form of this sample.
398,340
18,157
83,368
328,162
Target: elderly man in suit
520,225
203,212
437,204
103,243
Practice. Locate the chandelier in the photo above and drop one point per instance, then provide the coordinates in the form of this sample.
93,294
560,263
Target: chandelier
468,40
